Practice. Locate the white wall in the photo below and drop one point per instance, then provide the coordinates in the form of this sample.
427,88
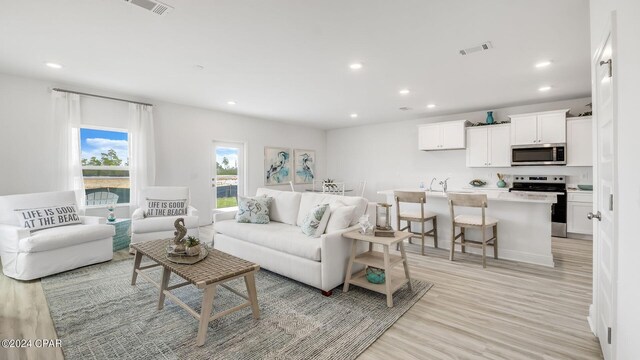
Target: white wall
184,140
627,82
387,156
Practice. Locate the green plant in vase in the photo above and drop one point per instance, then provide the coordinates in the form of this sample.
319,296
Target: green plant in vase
192,246
501,183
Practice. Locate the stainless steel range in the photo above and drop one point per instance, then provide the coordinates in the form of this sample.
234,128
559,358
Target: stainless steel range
548,183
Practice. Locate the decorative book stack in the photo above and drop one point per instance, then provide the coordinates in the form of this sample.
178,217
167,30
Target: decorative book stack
384,233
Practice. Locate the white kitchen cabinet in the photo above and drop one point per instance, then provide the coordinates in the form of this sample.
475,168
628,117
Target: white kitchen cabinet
442,136
579,204
579,141
489,146
539,128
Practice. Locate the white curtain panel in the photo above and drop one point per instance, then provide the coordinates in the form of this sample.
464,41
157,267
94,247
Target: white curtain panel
142,157
66,121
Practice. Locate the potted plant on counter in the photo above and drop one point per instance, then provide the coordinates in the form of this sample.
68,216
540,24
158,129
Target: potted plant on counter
501,183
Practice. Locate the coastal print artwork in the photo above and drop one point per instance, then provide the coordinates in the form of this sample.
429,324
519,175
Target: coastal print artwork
277,165
304,165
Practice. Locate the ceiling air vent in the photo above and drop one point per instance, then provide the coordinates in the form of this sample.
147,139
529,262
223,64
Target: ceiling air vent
404,108
482,47
155,7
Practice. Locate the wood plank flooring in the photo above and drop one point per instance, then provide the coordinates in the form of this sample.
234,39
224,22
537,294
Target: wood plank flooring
507,311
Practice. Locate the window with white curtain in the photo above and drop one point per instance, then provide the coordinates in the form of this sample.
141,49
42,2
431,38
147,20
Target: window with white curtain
105,165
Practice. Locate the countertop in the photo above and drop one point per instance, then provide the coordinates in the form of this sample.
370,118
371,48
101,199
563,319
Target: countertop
520,196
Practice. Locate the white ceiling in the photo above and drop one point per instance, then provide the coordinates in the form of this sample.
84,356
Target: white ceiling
288,59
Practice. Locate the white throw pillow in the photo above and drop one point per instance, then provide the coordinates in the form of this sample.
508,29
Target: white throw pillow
340,218
156,207
48,217
316,220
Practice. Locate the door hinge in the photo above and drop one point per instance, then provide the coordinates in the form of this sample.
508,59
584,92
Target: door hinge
609,335
610,63
610,202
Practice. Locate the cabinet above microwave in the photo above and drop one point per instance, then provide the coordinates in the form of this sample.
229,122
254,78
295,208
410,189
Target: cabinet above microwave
549,127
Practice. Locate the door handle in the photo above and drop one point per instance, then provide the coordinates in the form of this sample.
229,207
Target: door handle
592,216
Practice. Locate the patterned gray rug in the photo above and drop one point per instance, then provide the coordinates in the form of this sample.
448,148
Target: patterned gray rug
99,315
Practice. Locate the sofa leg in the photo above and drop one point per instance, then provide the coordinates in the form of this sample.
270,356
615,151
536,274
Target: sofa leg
327,293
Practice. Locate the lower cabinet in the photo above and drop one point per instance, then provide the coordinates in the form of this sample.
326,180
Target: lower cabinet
578,206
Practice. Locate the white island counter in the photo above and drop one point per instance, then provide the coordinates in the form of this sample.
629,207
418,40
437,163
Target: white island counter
524,227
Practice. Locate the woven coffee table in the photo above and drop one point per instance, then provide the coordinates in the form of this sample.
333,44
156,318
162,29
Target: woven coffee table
215,269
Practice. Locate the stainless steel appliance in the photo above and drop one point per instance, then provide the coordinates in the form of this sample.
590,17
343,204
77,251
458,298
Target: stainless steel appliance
540,154
548,183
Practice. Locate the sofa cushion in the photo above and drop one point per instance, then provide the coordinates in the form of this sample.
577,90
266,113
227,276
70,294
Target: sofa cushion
285,205
340,218
164,193
164,223
63,236
309,200
48,217
10,203
253,210
275,235
165,207
316,221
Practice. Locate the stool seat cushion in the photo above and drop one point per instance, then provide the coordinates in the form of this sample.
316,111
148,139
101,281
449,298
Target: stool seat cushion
474,220
415,216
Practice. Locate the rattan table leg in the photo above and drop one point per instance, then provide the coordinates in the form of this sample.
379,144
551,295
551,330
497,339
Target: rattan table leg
164,283
205,313
250,281
136,266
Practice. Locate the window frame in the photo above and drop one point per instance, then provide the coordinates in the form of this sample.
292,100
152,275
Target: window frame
103,167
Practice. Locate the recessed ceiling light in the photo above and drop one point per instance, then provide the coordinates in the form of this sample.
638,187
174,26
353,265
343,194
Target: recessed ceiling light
353,115
543,64
404,91
545,88
231,102
431,106
199,67
355,66
54,65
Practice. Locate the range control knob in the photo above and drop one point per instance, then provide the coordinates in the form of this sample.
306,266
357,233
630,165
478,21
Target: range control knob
555,178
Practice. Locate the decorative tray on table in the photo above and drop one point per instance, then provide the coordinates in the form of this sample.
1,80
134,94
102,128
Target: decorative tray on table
183,258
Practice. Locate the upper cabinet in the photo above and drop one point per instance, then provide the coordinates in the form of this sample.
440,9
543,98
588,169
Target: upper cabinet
489,146
539,128
579,141
442,136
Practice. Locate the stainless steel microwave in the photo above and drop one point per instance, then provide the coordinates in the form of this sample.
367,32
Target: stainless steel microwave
539,154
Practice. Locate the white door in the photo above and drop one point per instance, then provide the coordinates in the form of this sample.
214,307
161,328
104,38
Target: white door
552,128
524,130
477,150
453,135
605,180
429,137
228,174
499,146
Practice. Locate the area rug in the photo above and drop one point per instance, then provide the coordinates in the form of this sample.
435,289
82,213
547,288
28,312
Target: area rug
99,315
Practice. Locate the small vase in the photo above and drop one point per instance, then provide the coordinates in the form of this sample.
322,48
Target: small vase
501,184
490,117
192,250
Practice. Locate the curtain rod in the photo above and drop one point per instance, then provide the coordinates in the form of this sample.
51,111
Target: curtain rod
100,96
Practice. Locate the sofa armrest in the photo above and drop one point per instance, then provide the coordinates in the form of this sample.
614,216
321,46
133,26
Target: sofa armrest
191,211
224,215
138,214
93,220
10,236
336,250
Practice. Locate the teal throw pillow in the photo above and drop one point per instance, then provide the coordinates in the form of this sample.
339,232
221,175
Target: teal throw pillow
253,210
316,220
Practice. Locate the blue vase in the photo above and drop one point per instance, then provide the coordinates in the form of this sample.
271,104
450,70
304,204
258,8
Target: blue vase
490,117
501,184
375,275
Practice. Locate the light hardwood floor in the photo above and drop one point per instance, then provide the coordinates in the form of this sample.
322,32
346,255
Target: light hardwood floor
507,311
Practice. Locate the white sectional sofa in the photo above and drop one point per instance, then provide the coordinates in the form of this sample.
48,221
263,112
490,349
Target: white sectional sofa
281,247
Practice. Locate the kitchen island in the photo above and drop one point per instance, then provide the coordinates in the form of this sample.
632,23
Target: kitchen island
524,227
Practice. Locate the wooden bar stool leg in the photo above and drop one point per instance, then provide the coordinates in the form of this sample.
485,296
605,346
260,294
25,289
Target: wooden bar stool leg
453,242
435,232
484,248
409,229
495,241
463,246
422,237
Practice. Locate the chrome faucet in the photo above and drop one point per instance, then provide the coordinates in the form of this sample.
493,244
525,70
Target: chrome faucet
431,185
444,185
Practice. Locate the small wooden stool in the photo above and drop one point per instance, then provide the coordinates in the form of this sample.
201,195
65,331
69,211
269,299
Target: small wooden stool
416,197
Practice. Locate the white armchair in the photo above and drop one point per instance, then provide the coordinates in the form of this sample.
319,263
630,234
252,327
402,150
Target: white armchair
144,228
28,255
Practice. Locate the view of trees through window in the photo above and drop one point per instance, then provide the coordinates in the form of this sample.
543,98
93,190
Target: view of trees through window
226,177
105,166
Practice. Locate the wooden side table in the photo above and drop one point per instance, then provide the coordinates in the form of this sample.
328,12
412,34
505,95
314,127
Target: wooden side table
382,260
122,239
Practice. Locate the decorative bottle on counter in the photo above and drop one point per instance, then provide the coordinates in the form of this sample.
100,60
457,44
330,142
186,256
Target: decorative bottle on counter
501,183
490,117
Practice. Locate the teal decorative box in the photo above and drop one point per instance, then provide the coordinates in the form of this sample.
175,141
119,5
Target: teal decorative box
121,239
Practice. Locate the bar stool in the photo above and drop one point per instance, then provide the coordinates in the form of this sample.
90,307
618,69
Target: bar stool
416,197
472,221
